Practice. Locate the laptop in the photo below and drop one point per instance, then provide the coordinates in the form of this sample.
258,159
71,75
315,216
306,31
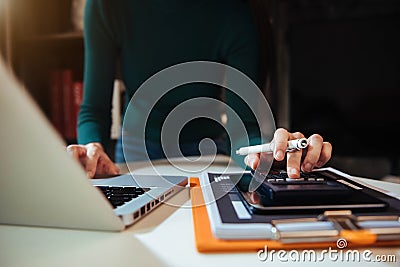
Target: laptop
41,185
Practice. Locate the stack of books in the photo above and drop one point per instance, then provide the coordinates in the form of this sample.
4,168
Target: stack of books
66,94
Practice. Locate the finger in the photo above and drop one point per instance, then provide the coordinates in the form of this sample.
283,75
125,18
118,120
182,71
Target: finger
93,154
281,137
293,163
296,135
106,166
252,160
110,169
326,154
76,151
294,157
114,169
101,167
314,149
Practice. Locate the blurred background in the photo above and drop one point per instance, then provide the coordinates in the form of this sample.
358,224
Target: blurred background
330,66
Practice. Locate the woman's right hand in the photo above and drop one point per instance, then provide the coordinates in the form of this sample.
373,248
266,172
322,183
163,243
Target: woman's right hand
94,159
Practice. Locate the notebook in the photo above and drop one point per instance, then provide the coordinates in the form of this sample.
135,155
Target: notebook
41,185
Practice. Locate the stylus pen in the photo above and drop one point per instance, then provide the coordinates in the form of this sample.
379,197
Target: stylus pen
269,147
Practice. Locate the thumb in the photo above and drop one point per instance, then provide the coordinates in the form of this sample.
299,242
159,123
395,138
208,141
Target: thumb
252,160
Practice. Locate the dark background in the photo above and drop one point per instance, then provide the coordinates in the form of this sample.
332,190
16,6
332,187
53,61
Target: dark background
343,70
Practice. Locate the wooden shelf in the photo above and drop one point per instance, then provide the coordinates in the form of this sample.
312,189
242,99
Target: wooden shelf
56,37
44,41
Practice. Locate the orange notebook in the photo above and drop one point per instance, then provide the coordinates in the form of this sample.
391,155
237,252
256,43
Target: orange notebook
207,243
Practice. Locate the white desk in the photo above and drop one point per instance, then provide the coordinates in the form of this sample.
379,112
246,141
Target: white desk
163,238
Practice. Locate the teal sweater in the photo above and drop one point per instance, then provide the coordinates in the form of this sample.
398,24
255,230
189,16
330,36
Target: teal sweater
146,36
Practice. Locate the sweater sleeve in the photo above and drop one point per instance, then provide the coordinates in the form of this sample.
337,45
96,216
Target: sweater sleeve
94,119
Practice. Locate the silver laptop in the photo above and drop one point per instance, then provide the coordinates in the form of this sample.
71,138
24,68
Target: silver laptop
41,185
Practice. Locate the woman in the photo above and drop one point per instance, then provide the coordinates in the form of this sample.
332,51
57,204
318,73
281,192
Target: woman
145,37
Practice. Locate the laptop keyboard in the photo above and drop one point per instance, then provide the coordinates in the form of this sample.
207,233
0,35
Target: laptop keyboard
119,195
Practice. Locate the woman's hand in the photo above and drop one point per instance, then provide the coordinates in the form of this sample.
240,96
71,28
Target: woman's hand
94,159
317,153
